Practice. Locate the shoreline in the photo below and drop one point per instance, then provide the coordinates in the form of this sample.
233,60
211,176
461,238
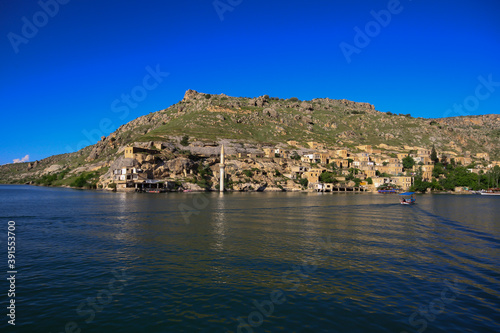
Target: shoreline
233,191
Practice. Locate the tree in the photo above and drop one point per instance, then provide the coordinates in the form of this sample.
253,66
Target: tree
349,161
419,185
81,181
304,182
444,160
354,171
434,157
328,177
408,162
435,185
357,182
493,176
185,140
369,180
438,170
332,166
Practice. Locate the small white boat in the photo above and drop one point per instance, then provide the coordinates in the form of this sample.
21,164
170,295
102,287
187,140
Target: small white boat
491,191
407,198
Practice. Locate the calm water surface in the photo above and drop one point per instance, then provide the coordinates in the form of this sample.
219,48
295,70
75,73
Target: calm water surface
251,262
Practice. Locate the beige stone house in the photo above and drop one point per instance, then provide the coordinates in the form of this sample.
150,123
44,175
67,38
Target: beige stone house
130,152
312,175
482,156
405,182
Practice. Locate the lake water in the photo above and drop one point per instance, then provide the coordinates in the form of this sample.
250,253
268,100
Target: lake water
250,262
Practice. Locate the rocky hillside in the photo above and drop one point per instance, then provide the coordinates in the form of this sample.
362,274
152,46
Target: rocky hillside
248,124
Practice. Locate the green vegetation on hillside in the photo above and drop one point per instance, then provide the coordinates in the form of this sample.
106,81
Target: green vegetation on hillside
450,176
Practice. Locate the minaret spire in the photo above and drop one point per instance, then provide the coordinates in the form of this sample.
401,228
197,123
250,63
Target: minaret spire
222,169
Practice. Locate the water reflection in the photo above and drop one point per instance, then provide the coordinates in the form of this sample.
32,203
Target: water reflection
200,276
219,223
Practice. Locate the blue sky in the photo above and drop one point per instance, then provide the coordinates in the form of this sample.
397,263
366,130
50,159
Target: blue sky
66,69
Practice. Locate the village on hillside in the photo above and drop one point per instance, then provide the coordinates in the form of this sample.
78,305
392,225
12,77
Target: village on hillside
290,167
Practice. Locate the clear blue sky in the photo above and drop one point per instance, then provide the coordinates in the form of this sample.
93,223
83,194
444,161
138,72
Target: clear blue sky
62,79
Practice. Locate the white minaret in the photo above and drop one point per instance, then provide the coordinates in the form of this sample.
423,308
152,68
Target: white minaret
222,167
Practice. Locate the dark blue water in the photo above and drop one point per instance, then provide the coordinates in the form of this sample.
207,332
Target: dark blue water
250,262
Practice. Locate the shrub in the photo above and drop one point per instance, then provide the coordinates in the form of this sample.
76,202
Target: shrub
204,170
83,180
46,180
332,165
294,99
408,162
185,140
203,183
295,156
328,177
248,173
207,96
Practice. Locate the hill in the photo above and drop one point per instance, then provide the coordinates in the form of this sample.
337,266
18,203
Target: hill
249,124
